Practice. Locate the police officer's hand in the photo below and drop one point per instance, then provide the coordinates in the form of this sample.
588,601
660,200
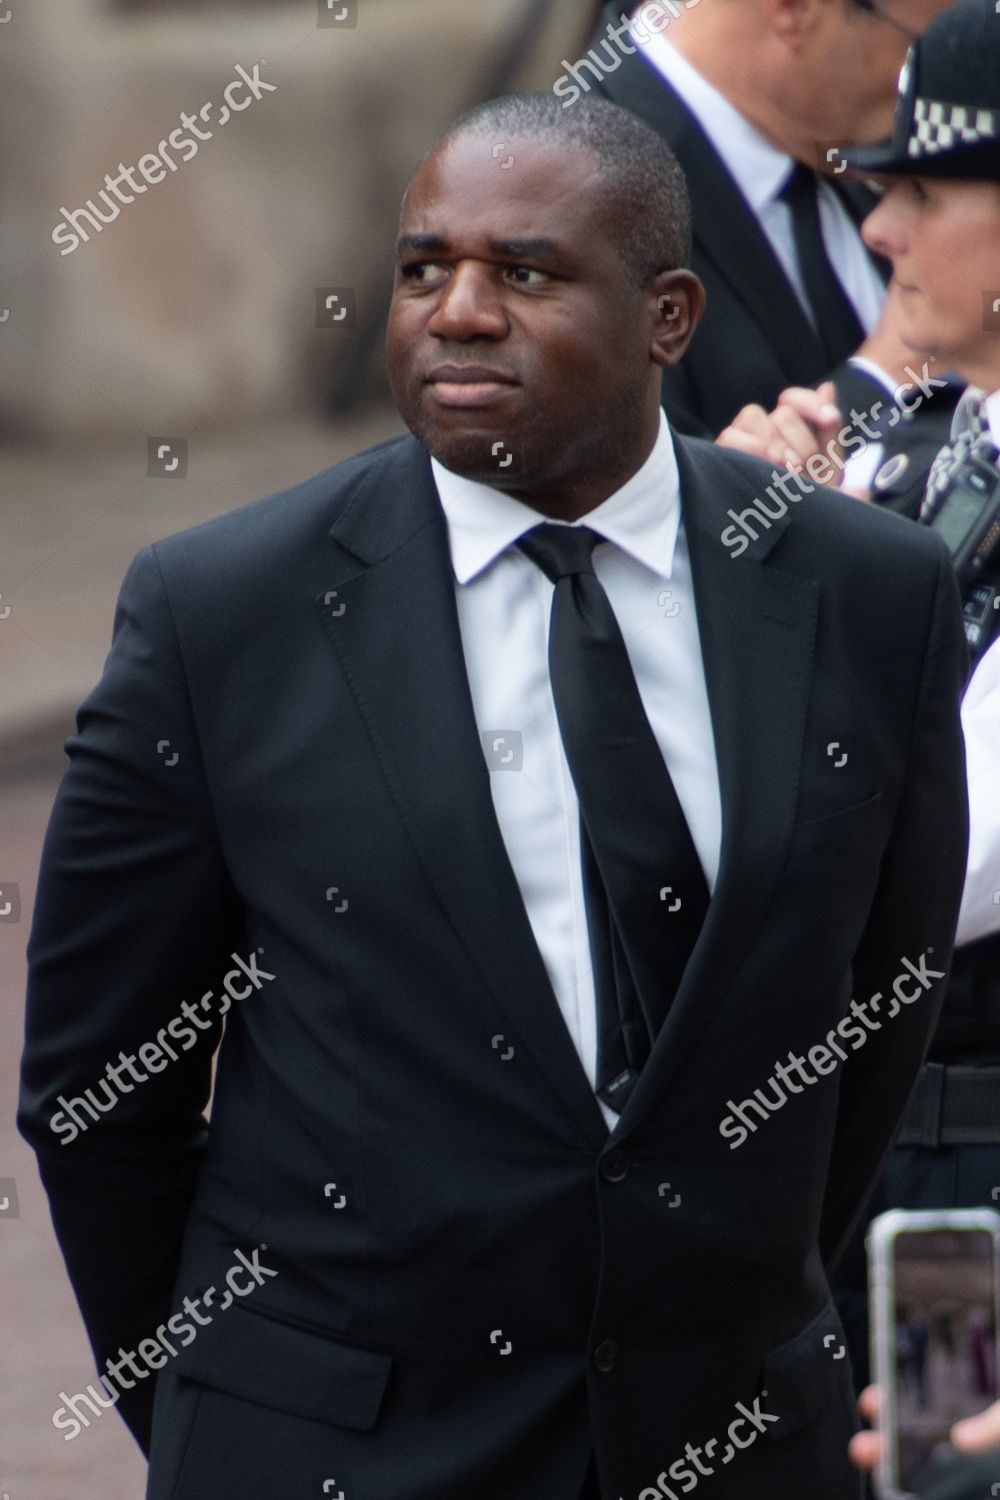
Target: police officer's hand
804,422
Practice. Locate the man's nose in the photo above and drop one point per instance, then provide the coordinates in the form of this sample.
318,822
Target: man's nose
470,306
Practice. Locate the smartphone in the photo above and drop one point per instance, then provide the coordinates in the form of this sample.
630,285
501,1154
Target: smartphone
933,1319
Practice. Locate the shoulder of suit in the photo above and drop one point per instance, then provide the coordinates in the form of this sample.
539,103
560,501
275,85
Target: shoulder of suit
823,523
291,518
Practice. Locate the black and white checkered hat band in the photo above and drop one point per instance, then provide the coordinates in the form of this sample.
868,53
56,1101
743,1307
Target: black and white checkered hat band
939,127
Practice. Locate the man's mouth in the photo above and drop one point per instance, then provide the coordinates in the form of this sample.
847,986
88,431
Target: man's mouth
470,385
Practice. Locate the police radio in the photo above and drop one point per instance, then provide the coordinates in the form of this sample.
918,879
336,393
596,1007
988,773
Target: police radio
966,517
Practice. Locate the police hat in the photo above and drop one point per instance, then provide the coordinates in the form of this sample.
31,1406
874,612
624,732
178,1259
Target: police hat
947,121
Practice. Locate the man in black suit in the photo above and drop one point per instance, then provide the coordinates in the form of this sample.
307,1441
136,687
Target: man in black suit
569,880
754,97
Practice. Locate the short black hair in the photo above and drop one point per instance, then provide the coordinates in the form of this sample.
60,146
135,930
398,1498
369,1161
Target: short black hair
645,193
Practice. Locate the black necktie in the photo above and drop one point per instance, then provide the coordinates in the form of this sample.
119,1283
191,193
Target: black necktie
837,323
645,888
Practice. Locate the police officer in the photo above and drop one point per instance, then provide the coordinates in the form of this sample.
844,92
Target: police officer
938,222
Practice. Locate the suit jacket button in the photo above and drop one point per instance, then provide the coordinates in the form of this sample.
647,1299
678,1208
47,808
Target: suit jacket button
614,1166
606,1356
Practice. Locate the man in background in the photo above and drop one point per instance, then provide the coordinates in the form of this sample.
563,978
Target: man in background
758,100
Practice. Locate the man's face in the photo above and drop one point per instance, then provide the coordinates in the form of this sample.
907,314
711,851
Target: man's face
519,351
943,238
845,79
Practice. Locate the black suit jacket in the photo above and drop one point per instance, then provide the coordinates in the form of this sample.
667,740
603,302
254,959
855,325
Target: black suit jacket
476,1284
754,339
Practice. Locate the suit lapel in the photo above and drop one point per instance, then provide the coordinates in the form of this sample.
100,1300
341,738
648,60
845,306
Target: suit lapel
390,612
757,625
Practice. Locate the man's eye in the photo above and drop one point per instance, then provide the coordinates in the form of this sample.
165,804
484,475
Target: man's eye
523,272
419,270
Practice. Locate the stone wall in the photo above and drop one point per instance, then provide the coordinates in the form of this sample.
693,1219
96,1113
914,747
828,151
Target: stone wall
196,307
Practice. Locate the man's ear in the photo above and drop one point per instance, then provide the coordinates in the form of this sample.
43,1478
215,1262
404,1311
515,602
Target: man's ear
678,303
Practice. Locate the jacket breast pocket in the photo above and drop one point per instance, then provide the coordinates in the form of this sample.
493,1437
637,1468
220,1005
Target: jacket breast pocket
818,840
807,1374
288,1368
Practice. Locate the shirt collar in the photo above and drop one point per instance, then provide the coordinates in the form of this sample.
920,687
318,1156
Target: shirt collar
641,517
758,168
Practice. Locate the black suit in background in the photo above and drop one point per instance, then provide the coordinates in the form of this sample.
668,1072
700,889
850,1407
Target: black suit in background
302,658
754,339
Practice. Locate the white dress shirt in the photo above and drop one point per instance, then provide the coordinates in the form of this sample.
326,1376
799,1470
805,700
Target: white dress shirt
980,913
504,600
760,171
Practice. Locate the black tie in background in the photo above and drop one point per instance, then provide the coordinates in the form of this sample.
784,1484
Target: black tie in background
837,323
645,888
